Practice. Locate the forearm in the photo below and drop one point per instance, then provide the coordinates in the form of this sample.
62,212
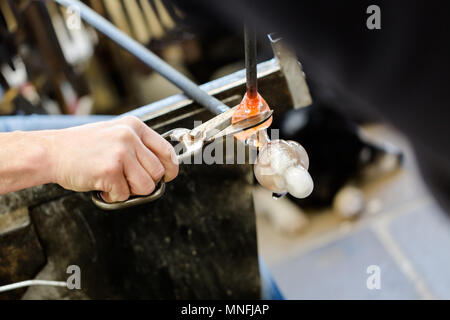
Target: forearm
25,160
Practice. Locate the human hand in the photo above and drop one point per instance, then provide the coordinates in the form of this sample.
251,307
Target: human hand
121,157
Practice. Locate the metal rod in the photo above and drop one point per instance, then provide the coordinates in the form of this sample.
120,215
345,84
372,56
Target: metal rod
250,60
146,56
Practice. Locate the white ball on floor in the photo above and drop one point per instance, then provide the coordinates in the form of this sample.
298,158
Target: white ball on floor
349,202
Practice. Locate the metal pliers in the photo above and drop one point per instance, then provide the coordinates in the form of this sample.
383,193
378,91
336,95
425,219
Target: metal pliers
192,141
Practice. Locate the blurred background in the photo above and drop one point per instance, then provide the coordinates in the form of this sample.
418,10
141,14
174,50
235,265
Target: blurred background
369,207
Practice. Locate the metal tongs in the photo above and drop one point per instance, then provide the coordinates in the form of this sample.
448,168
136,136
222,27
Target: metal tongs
192,141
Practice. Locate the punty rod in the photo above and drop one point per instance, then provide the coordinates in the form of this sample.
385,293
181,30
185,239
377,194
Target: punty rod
250,60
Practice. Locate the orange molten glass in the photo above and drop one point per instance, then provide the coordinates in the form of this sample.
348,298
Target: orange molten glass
250,107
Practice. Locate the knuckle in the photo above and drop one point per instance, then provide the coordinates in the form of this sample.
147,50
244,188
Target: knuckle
112,168
119,154
130,118
133,120
125,134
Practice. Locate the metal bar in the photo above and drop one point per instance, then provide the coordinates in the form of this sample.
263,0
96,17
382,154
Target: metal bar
234,83
146,56
250,60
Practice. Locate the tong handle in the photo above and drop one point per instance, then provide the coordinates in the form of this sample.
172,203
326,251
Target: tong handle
133,201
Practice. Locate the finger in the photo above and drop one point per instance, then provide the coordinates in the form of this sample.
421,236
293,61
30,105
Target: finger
163,150
139,181
119,190
150,162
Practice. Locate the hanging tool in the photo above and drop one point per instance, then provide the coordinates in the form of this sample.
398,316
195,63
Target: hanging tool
147,57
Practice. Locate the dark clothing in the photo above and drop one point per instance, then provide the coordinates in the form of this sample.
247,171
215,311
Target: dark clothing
399,73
